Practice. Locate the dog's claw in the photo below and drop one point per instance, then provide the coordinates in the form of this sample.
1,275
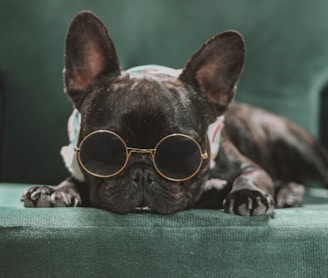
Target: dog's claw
231,206
248,203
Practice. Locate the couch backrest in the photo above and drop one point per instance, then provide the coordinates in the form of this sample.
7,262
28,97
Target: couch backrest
2,116
286,66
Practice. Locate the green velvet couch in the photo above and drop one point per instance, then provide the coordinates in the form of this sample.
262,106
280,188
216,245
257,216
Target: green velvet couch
286,72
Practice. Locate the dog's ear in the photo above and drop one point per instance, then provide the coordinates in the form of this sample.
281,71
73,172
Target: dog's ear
89,54
215,68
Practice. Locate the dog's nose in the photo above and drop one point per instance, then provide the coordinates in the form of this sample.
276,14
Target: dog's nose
142,177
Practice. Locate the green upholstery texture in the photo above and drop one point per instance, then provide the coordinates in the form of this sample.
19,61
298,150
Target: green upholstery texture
85,242
285,72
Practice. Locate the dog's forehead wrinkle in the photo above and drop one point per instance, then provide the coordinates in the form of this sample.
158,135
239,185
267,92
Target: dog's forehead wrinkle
152,94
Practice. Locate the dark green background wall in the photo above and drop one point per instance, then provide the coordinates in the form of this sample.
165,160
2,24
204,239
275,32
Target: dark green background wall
286,66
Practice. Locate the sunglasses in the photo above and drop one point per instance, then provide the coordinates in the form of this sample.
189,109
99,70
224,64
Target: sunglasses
176,157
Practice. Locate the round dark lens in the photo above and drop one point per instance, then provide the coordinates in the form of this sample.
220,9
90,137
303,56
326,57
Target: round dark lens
177,157
103,154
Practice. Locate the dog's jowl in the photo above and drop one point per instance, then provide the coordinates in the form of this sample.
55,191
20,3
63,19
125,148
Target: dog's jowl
161,140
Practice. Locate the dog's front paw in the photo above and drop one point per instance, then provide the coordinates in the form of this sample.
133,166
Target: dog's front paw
248,202
44,196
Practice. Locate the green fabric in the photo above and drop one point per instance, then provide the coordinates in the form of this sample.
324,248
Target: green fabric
286,64
85,242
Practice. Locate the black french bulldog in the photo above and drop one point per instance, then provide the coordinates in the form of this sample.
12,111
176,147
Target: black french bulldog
143,144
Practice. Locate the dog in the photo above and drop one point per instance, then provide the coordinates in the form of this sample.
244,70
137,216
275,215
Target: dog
146,139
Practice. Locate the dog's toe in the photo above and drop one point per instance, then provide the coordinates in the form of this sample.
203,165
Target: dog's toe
245,208
37,196
66,199
263,207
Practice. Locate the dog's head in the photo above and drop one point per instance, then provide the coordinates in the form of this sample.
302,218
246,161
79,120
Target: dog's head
138,111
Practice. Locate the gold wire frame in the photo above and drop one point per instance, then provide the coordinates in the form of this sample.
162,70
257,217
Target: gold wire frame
151,152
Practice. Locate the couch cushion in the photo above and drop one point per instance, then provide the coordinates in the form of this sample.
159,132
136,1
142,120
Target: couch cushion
86,242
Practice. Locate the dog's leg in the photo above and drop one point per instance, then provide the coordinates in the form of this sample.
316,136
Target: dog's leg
252,188
69,193
286,151
310,158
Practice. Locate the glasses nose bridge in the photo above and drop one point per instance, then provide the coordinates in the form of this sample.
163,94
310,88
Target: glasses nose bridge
142,151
